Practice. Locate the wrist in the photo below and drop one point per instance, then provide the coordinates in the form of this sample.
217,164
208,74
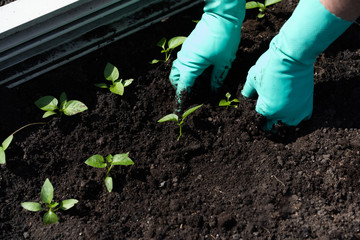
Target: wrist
309,31
348,10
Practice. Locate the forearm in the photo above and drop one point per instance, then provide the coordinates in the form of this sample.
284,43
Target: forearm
346,9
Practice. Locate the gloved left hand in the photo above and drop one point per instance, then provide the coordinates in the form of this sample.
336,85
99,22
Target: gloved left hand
213,42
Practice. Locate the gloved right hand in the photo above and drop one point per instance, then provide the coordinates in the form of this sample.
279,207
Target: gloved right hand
283,76
214,41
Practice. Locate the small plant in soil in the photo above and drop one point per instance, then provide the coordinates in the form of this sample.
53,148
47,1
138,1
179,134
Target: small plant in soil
117,86
98,161
173,117
49,104
171,45
227,102
261,6
5,144
47,193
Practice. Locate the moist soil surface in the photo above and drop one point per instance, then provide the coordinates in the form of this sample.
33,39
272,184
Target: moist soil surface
224,179
4,2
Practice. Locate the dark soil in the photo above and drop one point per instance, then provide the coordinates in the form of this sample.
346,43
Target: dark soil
224,179
4,2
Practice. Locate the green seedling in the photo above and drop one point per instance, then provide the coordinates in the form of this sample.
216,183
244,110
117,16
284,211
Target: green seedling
172,44
5,144
50,105
261,6
47,193
111,73
173,117
227,102
98,161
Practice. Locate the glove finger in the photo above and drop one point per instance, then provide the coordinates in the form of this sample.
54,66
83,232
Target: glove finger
174,76
183,76
217,76
249,89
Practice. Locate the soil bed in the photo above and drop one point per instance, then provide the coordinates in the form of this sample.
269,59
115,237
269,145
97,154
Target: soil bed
224,179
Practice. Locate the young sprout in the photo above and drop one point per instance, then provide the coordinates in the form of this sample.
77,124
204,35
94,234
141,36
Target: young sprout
172,44
173,117
227,102
50,105
260,6
111,73
98,161
5,144
47,193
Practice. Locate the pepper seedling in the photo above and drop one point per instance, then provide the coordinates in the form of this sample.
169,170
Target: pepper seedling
47,193
98,161
173,117
5,144
227,102
172,44
261,6
50,105
111,73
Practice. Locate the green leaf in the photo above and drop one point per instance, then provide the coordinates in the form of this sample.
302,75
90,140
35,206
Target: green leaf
261,15
228,95
117,88
252,4
31,206
122,159
2,156
161,43
96,161
188,112
235,100
73,107
47,103
109,183
109,158
5,144
224,103
50,218
48,114
128,82
101,85
111,72
63,97
68,203
176,41
47,192
53,205
155,61
169,117
63,100
271,2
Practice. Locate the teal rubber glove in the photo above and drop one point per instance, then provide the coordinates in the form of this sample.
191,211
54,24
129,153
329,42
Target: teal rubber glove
283,77
213,42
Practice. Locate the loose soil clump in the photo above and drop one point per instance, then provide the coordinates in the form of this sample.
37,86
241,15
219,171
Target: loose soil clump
224,179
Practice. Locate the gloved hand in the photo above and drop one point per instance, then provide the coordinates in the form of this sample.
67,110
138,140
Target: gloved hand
283,75
213,42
